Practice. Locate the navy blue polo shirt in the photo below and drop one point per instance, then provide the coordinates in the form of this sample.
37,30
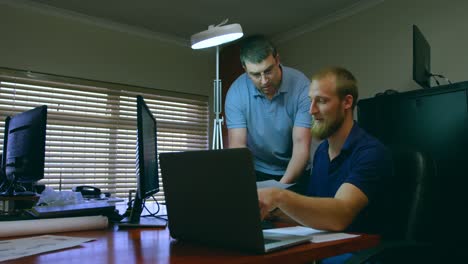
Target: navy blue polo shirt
364,162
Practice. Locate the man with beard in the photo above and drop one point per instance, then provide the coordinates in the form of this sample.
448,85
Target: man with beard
348,166
267,111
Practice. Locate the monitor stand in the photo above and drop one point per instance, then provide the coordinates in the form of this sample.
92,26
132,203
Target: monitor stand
143,222
137,220
12,188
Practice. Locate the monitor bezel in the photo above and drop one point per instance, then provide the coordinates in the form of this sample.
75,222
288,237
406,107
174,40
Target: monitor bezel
3,179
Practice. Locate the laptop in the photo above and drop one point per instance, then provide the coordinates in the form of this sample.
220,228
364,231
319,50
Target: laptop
211,198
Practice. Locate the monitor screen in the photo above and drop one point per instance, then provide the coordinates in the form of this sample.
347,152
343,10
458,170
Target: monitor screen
421,59
24,148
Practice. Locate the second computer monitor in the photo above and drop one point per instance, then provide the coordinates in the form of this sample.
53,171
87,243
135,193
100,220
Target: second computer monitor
421,59
24,148
146,167
147,152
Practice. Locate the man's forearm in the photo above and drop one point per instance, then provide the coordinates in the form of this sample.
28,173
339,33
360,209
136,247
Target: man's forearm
320,213
237,138
296,165
300,154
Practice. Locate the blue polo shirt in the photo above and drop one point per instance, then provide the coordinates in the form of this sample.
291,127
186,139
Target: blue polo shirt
269,123
364,162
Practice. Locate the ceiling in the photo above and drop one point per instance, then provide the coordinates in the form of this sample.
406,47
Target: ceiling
177,20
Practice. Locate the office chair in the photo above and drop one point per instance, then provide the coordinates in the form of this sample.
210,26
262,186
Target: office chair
407,209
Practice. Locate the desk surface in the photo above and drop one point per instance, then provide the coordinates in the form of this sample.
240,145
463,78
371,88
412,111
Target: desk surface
154,245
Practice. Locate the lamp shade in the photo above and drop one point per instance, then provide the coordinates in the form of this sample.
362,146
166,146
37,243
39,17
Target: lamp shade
216,35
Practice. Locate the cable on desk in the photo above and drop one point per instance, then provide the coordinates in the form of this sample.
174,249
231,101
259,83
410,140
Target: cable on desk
130,205
154,214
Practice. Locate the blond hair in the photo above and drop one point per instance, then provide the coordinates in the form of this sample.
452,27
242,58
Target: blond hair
346,83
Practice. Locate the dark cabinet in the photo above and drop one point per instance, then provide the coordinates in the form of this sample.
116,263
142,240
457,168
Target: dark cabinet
434,120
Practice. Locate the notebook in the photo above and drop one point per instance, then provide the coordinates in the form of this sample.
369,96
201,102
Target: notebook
211,198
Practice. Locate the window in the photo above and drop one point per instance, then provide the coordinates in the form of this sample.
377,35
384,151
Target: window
91,126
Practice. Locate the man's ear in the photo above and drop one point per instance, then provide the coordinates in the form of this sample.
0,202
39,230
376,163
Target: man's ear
348,101
277,58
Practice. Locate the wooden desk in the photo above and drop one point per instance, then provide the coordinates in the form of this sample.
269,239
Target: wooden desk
156,246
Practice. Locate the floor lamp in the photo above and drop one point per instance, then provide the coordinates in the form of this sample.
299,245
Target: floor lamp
215,36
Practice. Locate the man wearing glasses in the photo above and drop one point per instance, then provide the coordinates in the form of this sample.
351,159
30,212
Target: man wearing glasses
267,111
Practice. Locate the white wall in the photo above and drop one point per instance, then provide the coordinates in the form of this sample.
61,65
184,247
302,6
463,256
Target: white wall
43,42
376,44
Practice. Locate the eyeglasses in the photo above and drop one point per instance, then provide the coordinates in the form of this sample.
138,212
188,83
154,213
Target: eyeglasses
258,76
266,74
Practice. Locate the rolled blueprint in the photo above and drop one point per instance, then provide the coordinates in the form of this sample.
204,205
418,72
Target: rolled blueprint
51,225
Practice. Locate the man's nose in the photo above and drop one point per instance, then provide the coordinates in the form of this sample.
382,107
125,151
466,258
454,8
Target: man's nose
313,108
263,78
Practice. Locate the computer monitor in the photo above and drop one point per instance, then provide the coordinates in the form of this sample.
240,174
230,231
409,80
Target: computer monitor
3,182
146,167
24,151
421,59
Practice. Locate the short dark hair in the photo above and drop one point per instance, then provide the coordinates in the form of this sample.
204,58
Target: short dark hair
255,49
346,83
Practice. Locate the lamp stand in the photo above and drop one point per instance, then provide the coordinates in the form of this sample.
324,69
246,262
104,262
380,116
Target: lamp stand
218,120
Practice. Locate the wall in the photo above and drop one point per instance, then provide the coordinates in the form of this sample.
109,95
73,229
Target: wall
34,40
376,44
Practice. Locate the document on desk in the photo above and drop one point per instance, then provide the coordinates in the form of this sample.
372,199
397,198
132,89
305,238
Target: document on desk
273,183
317,235
22,247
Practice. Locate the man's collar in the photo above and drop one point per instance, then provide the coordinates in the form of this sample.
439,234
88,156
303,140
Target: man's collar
350,141
282,88
352,138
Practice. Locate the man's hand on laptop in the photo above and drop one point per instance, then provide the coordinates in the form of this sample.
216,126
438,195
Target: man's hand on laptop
268,206
267,201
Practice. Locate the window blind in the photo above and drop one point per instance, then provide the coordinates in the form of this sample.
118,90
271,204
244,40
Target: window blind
91,127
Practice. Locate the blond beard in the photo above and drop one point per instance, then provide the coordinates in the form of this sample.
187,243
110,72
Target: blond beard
325,129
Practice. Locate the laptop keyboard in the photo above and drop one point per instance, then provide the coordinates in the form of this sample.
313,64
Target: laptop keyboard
269,241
